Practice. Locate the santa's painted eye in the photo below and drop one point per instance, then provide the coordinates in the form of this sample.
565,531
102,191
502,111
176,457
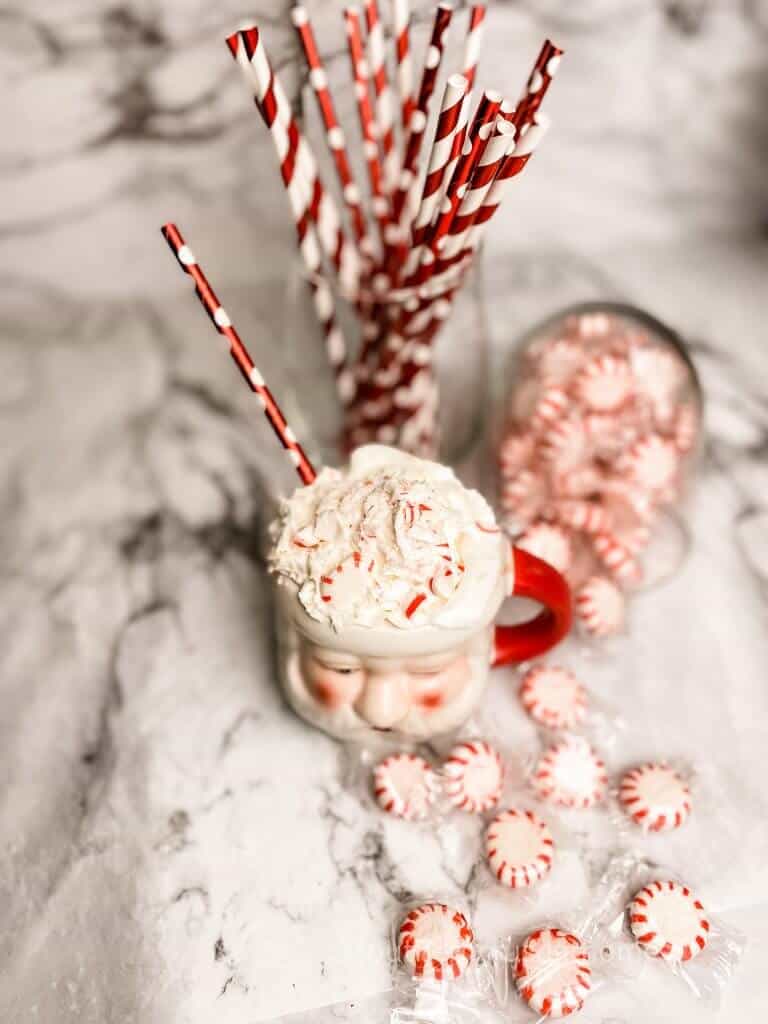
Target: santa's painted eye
341,670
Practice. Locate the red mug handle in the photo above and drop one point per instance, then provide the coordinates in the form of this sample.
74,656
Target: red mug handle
538,580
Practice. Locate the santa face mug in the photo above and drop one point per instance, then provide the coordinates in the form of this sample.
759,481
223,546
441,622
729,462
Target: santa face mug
389,576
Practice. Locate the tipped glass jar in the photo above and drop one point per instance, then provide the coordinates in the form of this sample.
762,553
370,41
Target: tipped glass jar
598,434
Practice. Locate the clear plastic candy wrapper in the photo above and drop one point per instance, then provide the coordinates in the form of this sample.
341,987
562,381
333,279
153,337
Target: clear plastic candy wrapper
441,971
555,694
675,811
652,918
600,426
465,773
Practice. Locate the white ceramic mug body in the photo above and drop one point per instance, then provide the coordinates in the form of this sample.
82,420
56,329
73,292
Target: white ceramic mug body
361,682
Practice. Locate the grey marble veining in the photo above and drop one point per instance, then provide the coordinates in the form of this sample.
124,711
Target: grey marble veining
176,846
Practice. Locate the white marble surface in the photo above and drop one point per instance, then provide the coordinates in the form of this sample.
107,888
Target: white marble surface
176,847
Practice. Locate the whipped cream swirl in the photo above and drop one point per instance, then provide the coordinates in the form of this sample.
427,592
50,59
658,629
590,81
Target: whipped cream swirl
393,540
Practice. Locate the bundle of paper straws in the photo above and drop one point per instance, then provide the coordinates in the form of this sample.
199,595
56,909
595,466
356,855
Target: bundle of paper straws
401,265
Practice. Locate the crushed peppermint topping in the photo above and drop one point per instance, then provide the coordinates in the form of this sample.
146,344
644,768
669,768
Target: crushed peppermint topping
394,539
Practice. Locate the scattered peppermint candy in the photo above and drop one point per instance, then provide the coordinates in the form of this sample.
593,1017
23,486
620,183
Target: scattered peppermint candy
519,848
445,580
617,558
548,542
605,384
405,786
668,921
435,941
600,606
570,774
553,696
474,775
652,463
655,797
552,972
346,585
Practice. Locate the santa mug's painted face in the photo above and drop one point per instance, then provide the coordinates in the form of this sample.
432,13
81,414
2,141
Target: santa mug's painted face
383,691
351,695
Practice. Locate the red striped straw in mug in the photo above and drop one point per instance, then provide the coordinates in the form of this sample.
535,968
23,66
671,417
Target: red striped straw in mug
377,64
473,42
239,353
539,80
418,121
401,20
334,133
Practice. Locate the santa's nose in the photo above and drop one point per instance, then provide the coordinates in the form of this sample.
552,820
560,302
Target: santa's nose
385,699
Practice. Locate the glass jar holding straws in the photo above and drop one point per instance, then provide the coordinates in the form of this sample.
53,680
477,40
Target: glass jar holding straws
391,287
600,427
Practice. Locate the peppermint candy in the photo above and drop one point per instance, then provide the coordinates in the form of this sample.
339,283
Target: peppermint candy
405,786
515,452
435,941
519,848
548,542
600,606
584,515
474,776
656,797
652,463
605,384
565,444
524,496
550,406
617,558
570,774
346,586
552,972
668,921
553,697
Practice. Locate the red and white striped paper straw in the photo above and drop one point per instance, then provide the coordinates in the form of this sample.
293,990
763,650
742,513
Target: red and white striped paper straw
334,134
377,63
474,146
401,19
287,143
451,244
451,125
379,202
473,42
513,165
418,121
239,353
248,49
539,80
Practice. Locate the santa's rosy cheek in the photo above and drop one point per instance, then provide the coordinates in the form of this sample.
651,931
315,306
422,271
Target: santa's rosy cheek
430,701
325,693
